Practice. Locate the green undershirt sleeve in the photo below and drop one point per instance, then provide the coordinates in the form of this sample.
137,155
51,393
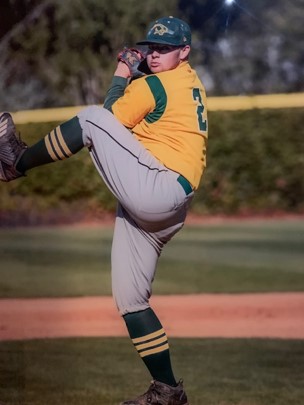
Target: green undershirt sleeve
115,91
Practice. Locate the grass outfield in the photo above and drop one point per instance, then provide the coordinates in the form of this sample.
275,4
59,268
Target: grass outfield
233,257
87,372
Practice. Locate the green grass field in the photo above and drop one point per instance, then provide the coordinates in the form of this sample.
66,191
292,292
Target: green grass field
231,257
87,372
234,257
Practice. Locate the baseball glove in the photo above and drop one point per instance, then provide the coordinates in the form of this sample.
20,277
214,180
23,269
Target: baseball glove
133,58
11,148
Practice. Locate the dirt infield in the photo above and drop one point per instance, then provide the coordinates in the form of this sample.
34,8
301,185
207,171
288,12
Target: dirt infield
273,315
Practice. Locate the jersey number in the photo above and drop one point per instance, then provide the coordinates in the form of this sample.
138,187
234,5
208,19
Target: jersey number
200,109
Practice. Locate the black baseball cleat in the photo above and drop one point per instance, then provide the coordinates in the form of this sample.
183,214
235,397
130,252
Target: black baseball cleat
11,148
161,394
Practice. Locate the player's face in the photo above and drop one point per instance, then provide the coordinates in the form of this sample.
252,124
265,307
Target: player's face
165,57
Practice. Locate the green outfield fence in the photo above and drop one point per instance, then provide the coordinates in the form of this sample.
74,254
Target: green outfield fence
228,103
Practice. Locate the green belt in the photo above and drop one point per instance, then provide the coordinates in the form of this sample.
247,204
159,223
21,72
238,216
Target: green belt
185,184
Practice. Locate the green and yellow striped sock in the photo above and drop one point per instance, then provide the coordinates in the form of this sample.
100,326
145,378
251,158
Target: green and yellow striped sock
61,143
151,343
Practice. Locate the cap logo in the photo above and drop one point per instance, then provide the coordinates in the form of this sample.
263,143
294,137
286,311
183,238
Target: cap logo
160,29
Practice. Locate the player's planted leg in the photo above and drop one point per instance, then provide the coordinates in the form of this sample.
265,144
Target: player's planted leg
151,342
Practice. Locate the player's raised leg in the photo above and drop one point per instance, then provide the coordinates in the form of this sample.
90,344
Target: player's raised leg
16,158
11,148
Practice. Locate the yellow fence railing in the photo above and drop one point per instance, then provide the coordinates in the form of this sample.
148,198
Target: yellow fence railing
291,100
228,103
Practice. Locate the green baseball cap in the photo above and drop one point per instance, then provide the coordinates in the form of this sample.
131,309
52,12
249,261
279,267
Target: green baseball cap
168,31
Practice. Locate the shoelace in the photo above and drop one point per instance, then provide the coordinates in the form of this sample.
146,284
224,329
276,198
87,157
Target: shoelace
154,393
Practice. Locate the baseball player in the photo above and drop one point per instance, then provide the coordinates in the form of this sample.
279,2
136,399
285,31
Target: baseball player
148,143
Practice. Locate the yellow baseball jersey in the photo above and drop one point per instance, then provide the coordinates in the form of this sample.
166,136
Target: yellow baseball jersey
167,113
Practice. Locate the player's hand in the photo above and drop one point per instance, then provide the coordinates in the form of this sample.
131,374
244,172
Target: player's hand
122,70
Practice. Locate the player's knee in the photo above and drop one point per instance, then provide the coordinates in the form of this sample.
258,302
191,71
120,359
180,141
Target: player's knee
88,113
93,114
92,119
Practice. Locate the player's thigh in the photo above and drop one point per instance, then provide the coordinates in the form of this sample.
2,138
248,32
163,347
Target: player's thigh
134,258
118,156
137,179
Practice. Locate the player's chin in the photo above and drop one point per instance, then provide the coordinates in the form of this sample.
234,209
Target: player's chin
156,68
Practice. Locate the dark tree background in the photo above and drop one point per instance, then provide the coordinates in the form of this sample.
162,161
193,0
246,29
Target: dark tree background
56,53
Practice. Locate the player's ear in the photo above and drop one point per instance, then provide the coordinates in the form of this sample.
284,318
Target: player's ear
184,52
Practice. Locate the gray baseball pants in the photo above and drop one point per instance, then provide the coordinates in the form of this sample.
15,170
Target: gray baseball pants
152,205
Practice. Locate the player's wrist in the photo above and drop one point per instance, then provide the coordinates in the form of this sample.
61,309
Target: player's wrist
122,70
